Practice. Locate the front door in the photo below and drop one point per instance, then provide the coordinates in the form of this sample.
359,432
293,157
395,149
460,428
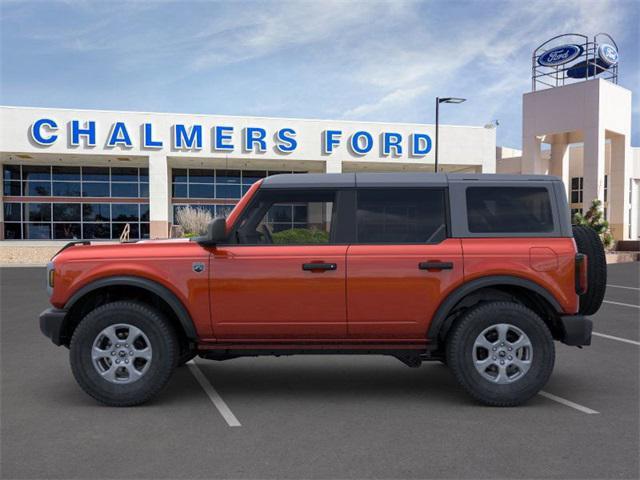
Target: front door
282,276
402,264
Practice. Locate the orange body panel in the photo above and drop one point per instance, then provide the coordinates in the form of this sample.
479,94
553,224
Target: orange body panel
168,263
388,296
548,262
262,292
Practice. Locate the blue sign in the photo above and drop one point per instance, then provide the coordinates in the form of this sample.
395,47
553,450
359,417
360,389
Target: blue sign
608,54
283,141
560,55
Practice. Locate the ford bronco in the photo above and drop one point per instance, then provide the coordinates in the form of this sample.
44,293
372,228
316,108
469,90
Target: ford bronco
480,272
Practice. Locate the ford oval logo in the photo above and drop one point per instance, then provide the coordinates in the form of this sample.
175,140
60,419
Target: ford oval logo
560,55
608,54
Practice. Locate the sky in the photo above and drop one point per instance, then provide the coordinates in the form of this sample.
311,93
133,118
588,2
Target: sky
351,60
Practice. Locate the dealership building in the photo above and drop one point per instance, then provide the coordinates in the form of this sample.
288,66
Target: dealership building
90,174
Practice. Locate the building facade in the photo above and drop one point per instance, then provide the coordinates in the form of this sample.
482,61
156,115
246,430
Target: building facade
87,174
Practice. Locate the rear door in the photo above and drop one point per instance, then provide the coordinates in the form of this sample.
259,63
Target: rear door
284,278
402,263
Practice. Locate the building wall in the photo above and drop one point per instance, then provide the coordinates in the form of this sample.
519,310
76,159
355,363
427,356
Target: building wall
150,142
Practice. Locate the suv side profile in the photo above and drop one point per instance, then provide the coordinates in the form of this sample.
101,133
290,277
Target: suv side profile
481,272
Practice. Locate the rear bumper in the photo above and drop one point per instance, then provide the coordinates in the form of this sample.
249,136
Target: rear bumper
575,330
52,324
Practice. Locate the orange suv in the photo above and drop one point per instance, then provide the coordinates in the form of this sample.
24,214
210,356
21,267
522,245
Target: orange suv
481,272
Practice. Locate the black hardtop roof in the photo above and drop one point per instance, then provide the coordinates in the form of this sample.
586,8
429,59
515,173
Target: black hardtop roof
404,179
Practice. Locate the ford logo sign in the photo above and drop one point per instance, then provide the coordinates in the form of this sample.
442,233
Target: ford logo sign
560,55
608,54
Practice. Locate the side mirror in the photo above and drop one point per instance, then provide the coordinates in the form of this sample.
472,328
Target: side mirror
216,232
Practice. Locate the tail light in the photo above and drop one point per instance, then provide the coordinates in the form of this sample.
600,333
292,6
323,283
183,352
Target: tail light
581,274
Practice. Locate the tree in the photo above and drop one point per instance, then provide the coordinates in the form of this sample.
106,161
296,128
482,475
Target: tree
594,218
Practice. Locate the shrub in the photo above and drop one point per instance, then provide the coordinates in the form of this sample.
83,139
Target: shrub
594,218
194,221
300,236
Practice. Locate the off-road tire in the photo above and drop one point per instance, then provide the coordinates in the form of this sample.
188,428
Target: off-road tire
589,243
460,345
164,346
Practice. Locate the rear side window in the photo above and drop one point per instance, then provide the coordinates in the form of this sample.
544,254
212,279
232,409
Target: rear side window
509,210
401,216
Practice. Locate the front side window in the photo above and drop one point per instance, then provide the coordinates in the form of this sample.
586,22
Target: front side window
401,216
509,210
289,218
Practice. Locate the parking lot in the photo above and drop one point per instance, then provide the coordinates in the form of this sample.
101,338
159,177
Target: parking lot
321,416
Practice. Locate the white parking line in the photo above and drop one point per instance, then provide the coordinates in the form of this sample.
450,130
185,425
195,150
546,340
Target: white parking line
214,396
567,403
622,286
619,339
622,304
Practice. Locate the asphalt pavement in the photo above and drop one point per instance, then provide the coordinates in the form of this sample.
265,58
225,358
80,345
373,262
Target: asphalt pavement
320,416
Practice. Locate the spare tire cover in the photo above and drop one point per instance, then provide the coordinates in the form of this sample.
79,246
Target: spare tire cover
588,242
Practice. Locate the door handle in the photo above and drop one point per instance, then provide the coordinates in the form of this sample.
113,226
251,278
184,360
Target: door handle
318,266
435,265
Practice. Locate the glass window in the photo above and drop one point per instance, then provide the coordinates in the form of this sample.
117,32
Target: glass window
179,190
95,174
66,173
124,190
11,172
96,230
67,230
96,212
250,176
37,212
401,216
509,210
200,175
144,212
13,231
124,212
36,172
226,191
121,174
117,228
37,231
144,174
201,191
179,175
576,189
227,176
37,189
95,189
144,230
66,189
144,190
66,212
270,220
12,189
12,212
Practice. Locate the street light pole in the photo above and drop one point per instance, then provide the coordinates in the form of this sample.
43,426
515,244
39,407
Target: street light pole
438,102
435,170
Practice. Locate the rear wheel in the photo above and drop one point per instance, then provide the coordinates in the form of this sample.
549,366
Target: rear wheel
502,353
589,243
123,353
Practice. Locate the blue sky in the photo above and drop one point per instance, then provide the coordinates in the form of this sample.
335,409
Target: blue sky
368,60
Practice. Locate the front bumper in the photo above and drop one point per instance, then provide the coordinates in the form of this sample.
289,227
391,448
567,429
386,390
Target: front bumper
52,324
575,330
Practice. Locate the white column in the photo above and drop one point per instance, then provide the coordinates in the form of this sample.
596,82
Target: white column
593,166
559,162
159,198
531,155
619,187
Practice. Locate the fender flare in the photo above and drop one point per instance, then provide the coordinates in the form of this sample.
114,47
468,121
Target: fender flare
440,317
154,287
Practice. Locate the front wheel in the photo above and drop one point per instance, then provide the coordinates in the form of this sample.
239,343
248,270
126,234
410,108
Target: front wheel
123,353
502,353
